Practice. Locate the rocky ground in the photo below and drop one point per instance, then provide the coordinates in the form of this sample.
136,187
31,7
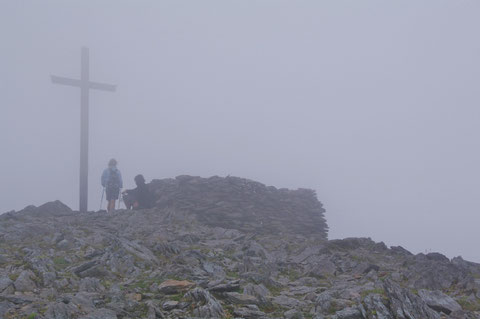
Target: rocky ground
166,263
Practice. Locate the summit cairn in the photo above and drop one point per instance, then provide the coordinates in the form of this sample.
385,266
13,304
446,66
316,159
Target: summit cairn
242,204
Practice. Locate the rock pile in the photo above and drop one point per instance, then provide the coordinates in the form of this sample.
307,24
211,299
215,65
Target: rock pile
169,262
242,204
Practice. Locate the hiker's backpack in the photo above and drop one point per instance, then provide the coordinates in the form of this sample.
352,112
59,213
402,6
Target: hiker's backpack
113,179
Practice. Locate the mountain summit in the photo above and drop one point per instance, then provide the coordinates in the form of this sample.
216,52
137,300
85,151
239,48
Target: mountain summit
218,248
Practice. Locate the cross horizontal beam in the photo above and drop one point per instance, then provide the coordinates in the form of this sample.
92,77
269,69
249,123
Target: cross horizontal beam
80,83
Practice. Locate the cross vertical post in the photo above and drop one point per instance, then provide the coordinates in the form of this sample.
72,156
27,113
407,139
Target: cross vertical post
85,85
84,126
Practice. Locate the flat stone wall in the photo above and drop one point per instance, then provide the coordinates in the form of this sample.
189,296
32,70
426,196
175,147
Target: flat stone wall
243,204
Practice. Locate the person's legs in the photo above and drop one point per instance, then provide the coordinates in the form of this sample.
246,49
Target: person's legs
111,206
112,196
130,198
127,197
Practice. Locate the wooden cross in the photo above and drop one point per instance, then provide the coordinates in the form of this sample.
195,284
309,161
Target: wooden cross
85,85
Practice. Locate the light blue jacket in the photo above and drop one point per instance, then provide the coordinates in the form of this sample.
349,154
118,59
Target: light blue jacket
106,176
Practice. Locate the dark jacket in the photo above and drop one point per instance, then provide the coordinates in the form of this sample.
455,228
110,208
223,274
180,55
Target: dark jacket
143,196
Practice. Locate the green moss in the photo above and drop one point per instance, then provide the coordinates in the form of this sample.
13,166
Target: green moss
378,291
333,307
291,274
177,297
141,309
274,290
32,316
13,277
142,284
271,309
174,277
229,311
358,258
232,274
60,263
469,305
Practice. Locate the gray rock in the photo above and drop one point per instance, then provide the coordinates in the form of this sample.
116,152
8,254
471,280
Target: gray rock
214,270
25,281
433,274
49,278
348,313
249,312
375,304
240,299
90,285
84,301
399,250
64,244
461,314
100,314
18,299
170,305
404,304
323,302
321,267
5,282
153,311
60,284
260,292
231,286
302,290
293,314
286,302
59,310
4,307
439,301
204,305
83,267
174,286
55,208
437,257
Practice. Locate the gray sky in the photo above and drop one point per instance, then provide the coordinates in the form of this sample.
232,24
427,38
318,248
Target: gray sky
374,104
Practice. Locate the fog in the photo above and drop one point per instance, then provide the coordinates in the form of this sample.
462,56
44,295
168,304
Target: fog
374,104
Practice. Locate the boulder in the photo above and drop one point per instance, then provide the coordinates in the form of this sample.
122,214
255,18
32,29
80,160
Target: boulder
286,302
25,281
5,283
439,301
240,299
249,312
348,313
204,305
404,304
171,287
52,209
100,314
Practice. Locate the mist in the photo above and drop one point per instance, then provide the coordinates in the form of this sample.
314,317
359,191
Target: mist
373,104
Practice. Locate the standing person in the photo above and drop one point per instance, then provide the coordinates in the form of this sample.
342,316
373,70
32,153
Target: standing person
112,182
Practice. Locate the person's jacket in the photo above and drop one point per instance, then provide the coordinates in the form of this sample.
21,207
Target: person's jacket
143,196
106,176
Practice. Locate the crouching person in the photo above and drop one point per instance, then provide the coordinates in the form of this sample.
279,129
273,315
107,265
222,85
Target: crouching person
140,197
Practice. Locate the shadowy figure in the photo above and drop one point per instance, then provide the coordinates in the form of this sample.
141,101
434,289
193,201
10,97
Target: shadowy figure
112,182
140,197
